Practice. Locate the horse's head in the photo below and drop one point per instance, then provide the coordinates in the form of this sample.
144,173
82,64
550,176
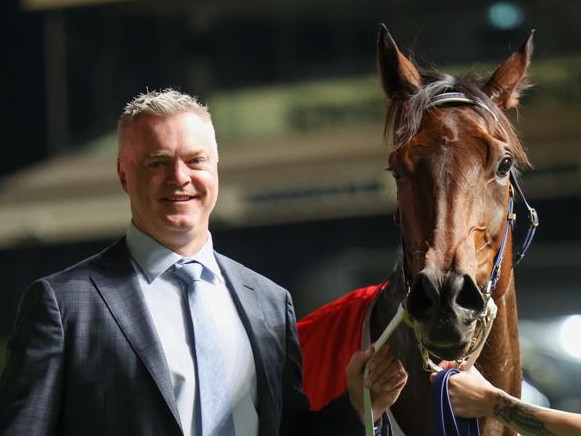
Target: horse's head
453,158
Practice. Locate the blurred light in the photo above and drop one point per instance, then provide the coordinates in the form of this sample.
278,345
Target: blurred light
505,15
568,335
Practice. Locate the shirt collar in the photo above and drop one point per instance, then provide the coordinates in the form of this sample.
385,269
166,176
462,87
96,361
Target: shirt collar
154,258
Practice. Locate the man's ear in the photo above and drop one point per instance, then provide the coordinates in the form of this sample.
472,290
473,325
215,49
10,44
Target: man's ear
121,175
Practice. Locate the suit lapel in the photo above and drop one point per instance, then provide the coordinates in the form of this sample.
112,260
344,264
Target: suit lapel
119,288
245,297
249,307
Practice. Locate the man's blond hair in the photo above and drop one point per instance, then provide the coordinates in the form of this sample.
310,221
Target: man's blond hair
161,103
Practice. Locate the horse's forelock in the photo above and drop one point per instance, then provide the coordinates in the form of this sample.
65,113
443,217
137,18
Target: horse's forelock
404,117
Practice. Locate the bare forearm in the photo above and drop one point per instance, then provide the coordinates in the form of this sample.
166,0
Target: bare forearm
531,420
472,396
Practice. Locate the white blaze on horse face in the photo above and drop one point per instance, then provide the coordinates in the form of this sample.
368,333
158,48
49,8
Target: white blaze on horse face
443,193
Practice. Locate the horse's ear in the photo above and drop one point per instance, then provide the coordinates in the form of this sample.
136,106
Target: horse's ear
509,80
399,77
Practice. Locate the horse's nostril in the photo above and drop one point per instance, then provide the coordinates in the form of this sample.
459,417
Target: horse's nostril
469,296
457,291
423,297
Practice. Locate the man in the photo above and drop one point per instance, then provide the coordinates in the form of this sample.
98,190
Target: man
114,345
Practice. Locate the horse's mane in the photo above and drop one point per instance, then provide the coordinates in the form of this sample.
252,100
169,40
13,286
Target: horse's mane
404,116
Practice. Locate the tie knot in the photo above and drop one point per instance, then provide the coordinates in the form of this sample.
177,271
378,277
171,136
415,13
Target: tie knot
188,272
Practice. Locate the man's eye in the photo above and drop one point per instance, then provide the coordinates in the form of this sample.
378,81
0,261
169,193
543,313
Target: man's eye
156,164
198,160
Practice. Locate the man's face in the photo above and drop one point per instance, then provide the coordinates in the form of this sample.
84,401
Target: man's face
168,167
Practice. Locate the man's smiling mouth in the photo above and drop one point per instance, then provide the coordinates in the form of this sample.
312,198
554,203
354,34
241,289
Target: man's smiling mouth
179,198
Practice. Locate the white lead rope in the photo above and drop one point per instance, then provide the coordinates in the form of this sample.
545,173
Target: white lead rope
395,321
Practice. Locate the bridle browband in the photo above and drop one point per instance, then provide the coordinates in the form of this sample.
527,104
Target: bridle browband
459,97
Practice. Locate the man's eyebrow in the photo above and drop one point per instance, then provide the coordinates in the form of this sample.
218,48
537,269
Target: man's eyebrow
158,154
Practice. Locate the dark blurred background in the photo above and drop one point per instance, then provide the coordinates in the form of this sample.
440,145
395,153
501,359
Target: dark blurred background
299,116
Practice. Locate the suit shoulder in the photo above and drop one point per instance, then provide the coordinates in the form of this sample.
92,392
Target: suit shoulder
109,256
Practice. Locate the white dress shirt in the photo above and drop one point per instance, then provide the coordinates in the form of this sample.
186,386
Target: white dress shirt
167,306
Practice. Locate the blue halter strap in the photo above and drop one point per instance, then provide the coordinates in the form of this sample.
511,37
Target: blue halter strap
444,422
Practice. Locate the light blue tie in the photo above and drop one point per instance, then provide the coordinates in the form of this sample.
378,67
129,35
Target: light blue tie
213,409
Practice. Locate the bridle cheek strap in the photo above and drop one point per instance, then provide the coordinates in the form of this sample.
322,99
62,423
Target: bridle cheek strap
511,219
533,221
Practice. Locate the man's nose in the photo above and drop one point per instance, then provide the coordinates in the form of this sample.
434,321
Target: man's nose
179,173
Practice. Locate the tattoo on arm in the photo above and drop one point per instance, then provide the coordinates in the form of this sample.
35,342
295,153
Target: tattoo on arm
519,416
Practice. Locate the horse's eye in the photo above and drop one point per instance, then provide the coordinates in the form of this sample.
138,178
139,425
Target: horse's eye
393,172
504,166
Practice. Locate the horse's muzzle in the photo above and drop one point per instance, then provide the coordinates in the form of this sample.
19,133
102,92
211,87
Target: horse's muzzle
444,310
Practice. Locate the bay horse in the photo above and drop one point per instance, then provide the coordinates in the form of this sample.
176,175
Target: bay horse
455,156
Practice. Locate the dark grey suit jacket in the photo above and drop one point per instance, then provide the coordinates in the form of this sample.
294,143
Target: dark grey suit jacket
84,357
